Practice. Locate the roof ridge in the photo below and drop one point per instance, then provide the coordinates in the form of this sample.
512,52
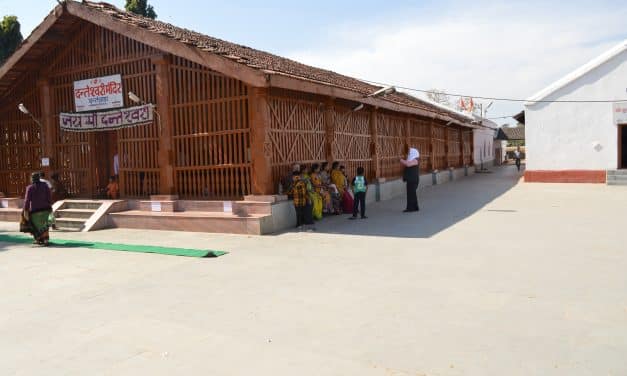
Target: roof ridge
578,73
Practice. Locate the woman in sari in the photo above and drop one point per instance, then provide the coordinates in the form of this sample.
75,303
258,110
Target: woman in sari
318,192
335,202
37,212
339,181
325,179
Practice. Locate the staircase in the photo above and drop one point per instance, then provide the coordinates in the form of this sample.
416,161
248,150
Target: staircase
617,177
73,214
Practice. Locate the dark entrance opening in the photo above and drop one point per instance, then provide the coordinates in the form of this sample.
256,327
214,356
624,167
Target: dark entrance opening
106,149
622,146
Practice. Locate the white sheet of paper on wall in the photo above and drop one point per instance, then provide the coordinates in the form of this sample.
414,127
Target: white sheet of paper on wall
155,206
45,162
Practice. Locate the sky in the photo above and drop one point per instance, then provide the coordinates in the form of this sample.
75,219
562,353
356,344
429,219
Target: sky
505,49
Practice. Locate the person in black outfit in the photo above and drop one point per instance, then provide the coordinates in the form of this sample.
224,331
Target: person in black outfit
411,176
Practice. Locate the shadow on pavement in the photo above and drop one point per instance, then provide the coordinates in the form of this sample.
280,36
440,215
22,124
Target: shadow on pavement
441,207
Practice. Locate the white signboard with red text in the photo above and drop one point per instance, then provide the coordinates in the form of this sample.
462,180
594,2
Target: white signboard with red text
98,93
620,113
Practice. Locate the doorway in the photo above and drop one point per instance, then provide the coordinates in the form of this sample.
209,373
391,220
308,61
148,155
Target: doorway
106,149
622,146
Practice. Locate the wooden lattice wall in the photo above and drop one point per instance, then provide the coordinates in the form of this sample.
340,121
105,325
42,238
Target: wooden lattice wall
392,137
211,133
420,137
454,147
352,140
297,133
96,52
20,143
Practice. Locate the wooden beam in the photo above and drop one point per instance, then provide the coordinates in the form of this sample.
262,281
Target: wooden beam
163,43
47,119
431,146
329,127
260,143
374,142
164,119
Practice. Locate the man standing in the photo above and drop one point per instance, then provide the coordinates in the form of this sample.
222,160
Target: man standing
411,177
517,157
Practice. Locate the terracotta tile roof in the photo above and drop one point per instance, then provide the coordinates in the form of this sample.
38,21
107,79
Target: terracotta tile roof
260,60
511,133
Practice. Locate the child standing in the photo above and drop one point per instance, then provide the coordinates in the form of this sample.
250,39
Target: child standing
360,187
300,195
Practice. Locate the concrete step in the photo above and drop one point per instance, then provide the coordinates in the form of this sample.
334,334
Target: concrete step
616,173
617,182
72,224
75,213
616,177
195,221
81,204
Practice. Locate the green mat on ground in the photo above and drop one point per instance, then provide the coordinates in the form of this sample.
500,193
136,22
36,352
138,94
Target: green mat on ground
116,247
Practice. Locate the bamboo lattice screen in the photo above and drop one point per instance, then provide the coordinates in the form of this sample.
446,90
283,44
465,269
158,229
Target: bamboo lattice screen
98,52
20,143
297,133
211,133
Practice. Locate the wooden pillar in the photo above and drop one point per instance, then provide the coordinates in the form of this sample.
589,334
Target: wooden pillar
260,143
463,147
47,119
431,144
329,128
164,125
374,137
446,148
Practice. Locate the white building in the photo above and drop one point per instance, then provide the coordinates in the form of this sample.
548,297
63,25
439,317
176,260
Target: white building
580,142
484,148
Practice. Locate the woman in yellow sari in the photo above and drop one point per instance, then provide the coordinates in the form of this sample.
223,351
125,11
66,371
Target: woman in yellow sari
318,194
337,177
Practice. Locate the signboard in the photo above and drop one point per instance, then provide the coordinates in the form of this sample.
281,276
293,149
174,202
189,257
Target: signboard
98,93
620,113
45,162
109,120
155,206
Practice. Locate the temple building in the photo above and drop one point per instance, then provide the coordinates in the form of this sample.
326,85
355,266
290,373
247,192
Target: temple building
183,118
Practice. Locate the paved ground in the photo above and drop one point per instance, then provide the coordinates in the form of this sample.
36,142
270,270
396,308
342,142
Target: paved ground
490,278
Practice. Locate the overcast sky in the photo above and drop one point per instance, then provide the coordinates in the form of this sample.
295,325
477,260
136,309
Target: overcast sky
482,48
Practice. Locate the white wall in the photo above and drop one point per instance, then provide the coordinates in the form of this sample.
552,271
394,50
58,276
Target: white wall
483,146
561,136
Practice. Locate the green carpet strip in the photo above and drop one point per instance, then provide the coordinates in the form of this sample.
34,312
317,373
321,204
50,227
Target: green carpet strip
116,247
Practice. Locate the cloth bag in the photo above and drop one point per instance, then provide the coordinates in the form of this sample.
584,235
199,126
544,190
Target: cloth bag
347,202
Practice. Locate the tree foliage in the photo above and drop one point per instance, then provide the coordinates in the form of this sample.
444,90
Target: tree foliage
141,7
10,36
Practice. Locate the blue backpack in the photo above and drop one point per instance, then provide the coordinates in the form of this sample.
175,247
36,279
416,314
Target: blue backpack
360,184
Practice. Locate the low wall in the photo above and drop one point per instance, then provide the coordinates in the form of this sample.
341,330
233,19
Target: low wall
566,176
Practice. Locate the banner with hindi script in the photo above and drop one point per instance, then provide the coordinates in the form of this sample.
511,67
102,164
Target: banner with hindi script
106,121
98,93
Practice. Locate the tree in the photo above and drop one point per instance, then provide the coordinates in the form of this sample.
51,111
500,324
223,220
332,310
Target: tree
439,96
141,7
10,37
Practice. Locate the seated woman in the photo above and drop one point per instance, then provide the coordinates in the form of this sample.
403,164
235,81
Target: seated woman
325,179
113,189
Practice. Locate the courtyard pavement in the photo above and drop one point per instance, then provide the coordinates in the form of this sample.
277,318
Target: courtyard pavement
492,277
